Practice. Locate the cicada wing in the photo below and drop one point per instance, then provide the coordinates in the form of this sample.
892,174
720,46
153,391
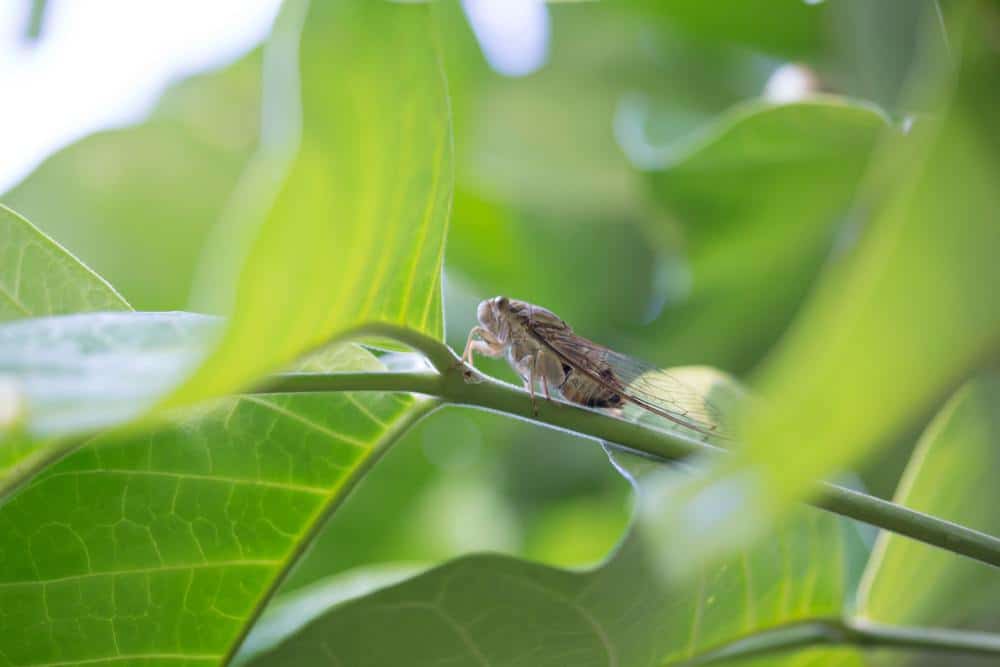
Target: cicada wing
655,390
661,391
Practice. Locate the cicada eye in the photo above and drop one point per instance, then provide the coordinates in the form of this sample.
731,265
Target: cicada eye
502,302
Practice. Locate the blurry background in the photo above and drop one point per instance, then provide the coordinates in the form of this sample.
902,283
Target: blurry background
126,125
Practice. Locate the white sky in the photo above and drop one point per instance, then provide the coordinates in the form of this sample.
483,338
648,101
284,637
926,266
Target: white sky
104,63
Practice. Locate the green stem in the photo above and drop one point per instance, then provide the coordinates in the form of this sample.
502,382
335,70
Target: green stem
461,385
439,354
853,632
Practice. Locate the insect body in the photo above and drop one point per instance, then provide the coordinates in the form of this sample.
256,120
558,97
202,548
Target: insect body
544,350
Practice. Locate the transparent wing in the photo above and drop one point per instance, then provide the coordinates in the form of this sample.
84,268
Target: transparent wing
641,384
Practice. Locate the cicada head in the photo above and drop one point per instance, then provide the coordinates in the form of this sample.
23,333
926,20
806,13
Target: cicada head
493,316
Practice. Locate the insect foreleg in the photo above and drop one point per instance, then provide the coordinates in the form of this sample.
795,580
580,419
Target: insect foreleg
487,344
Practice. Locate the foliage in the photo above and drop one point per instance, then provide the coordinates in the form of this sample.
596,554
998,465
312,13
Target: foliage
170,496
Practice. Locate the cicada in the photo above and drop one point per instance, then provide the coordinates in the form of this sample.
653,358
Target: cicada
544,351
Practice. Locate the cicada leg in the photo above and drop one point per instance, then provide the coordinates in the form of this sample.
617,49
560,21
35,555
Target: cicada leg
545,367
528,363
487,345
550,369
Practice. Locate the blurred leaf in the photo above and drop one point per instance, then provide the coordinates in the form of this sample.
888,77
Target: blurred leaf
163,547
283,614
793,28
356,233
430,490
577,533
545,144
762,194
39,277
81,372
36,19
136,203
499,610
951,475
876,46
890,330
494,249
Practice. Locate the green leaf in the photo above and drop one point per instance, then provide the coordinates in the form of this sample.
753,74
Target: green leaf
356,231
500,610
137,203
503,611
39,277
79,373
67,377
763,185
600,56
792,28
952,474
301,279
888,331
160,548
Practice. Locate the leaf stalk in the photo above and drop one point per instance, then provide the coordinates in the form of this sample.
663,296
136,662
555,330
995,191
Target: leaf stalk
458,384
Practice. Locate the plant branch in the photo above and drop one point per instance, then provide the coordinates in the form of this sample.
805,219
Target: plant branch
852,632
439,354
460,385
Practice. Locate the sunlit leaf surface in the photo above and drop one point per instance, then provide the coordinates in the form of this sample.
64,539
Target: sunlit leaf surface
356,233
38,277
158,549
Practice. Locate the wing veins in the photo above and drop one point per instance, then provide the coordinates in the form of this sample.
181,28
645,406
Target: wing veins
585,366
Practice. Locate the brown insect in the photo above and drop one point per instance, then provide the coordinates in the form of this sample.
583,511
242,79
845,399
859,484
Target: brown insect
544,350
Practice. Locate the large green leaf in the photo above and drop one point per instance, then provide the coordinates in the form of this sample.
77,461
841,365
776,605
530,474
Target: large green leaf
293,294
38,277
356,232
891,329
504,611
762,186
160,548
952,475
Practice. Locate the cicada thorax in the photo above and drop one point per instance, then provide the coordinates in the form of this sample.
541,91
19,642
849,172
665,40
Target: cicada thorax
541,327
